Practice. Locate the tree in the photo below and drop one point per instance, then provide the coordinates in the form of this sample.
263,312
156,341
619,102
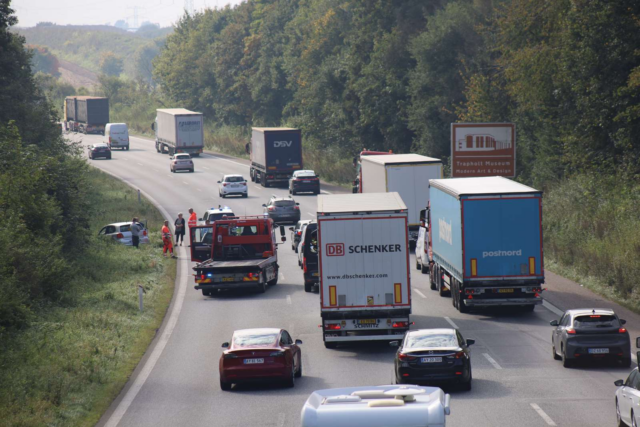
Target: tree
44,61
110,64
143,61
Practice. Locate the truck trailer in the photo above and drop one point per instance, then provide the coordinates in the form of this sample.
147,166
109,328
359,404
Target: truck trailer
275,154
179,130
407,174
365,290
86,114
486,240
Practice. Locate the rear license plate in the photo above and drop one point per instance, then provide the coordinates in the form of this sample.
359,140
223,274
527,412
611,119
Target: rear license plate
367,321
315,274
228,279
307,182
431,360
505,291
598,351
253,361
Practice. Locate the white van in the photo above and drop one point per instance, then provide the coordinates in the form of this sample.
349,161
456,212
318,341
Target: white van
117,136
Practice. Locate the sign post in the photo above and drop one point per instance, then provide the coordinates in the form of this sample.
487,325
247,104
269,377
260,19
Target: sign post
483,149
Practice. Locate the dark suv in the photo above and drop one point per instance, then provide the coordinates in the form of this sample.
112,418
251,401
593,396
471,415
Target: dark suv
282,210
304,181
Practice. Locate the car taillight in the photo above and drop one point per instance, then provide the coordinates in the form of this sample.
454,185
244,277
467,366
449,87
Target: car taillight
230,356
400,324
144,233
459,355
334,326
243,183
296,208
224,185
304,264
299,233
405,357
109,140
622,330
277,354
119,235
271,209
571,331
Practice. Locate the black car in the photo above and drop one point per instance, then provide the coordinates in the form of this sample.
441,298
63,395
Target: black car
591,334
433,356
99,150
309,250
296,233
282,210
304,182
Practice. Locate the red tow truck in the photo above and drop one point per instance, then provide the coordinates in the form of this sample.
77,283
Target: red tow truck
235,253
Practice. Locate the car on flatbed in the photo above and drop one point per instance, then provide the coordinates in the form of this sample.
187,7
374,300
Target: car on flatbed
305,181
215,214
233,185
260,355
590,334
282,210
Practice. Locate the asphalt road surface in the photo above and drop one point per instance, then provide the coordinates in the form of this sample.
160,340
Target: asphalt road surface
516,382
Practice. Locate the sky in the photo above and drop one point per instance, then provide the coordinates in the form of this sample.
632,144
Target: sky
100,12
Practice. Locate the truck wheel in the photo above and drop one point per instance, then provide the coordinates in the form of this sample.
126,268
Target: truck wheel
262,286
462,307
330,345
206,292
440,281
424,269
418,267
307,286
431,274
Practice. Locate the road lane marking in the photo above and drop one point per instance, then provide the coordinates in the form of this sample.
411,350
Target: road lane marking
205,168
185,182
281,419
311,214
199,190
552,308
451,322
325,192
226,160
289,299
492,361
281,276
140,164
420,293
543,414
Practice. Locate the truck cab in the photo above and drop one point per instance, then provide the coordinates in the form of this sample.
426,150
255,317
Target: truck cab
237,253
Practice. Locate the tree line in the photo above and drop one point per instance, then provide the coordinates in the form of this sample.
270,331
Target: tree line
394,74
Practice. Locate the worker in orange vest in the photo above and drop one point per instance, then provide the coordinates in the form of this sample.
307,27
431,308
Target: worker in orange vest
193,218
167,240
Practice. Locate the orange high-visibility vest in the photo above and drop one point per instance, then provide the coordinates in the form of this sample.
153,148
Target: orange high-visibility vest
193,220
166,233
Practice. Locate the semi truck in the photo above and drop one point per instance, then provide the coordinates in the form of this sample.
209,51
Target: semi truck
86,114
275,154
365,291
179,130
235,253
357,164
407,174
486,241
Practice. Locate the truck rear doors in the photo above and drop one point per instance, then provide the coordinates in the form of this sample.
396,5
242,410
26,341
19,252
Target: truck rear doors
201,238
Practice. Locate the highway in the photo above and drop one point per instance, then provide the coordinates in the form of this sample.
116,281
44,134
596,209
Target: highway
516,382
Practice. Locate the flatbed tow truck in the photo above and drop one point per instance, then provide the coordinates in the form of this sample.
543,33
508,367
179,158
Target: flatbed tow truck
236,253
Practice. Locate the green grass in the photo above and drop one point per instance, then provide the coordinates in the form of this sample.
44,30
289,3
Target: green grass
73,360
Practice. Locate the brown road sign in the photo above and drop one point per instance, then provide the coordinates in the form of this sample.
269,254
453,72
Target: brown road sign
483,149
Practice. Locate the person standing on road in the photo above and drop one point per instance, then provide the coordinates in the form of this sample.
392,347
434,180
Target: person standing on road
166,240
136,228
180,228
193,218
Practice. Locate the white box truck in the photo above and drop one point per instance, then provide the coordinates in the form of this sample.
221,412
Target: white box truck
179,131
365,291
407,174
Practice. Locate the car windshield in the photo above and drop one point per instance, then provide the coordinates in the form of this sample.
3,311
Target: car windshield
596,321
234,179
217,216
284,203
255,340
432,340
182,156
306,175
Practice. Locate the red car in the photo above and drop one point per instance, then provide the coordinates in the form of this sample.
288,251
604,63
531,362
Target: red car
260,355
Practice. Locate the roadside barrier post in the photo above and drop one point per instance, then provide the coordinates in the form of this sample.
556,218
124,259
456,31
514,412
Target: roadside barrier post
139,198
141,291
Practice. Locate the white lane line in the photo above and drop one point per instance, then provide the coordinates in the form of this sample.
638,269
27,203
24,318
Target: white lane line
326,192
311,214
230,161
185,182
140,164
492,361
419,293
205,168
552,308
125,159
281,419
289,299
451,322
170,176
543,414
199,190
281,276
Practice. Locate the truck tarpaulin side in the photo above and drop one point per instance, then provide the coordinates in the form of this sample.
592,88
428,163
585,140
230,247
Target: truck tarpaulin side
179,131
275,154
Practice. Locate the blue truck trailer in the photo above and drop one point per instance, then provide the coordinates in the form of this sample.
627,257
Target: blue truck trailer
486,238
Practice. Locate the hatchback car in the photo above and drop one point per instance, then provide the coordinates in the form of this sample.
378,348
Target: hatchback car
121,233
99,150
215,214
296,233
434,355
233,185
264,354
180,162
304,182
422,251
282,210
628,400
595,334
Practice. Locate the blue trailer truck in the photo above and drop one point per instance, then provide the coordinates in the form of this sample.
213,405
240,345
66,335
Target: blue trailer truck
486,238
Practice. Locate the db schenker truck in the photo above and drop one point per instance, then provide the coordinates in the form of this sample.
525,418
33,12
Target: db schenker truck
407,174
365,291
275,154
486,238
179,131
86,114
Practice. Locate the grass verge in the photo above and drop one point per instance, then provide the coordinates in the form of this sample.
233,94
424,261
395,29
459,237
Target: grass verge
73,360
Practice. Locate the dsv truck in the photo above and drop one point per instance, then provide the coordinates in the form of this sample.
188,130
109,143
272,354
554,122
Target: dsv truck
275,154
365,293
179,131
486,238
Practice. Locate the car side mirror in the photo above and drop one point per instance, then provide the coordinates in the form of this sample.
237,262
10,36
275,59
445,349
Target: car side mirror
297,204
394,343
225,345
298,342
218,182
638,342
622,321
618,383
264,206
554,323
470,342
282,231
153,126
290,228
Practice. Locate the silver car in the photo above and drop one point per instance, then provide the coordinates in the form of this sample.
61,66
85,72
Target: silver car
181,162
628,400
121,233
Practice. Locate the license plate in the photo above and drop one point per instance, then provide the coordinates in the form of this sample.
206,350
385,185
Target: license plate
598,351
431,360
367,321
253,361
234,185
228,279
505,291
307,182
315,274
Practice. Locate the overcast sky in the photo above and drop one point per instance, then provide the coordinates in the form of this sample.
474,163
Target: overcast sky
95,12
